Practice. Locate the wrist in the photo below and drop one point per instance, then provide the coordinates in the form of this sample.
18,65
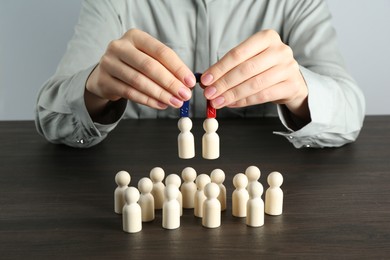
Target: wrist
95,105
300,109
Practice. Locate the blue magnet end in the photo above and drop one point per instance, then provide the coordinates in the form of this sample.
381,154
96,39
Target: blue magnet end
197,76
185,108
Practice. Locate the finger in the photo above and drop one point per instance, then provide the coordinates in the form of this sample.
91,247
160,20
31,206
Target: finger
142,84
244,71
247,49
250,87
122,89
165,55
156,72
278,93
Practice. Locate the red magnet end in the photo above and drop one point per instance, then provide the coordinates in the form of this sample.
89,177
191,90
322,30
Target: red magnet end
211,111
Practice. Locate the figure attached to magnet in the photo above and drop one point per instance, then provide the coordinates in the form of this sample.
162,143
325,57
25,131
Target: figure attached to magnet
210,140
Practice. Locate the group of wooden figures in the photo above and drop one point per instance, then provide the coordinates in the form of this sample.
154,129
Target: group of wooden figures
203,193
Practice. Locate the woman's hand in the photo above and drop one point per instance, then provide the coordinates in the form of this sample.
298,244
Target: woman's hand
142,69
259,70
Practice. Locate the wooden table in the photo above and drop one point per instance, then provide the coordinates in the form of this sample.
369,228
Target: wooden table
57,201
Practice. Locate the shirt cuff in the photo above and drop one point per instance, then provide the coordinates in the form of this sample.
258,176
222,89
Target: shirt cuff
75,98
321,107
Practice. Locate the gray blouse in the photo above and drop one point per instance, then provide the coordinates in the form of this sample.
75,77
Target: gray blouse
201,32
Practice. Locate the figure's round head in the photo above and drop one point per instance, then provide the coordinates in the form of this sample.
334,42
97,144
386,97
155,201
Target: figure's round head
240,181
210,125
184,124
122,178
255,189
188,174
253,173
173,179
171,192
217,176
202,180
211,190
131,195
157,174
275,179
145,185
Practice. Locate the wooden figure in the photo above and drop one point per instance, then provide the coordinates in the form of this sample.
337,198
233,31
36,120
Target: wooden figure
255,205
201,181
211,206
188,188
218,176
210,140
253,174
157,175
146,200
122,179
131,218
171,208
175,180
240,195
185,140
274,194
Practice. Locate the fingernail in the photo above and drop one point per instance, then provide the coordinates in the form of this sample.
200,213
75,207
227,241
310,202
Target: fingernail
185,93
207,79
176,102
218,102
209,92
162,105
190,80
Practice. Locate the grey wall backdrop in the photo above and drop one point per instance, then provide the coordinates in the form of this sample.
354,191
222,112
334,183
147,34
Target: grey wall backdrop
34,34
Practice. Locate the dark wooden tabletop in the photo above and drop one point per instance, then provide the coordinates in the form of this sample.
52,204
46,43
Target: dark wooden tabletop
57,202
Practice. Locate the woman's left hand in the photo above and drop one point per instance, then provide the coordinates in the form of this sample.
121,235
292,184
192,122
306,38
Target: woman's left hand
261,69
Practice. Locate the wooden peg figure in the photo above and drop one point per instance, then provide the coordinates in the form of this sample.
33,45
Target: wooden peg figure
188,188
218,176
146,200
131,218
211,206
255,205
240,195
201,181
185,140
274,194
157,175
171,208
253,174
122,179
210,140
175,180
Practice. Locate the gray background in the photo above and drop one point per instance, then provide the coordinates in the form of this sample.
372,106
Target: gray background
34,34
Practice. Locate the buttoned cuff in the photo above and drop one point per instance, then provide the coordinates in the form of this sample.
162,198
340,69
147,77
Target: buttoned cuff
91,132
321,106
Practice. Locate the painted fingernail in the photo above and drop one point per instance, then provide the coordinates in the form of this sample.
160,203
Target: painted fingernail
218,102
209,92
207,79
185,93
190,80
162,105
176,102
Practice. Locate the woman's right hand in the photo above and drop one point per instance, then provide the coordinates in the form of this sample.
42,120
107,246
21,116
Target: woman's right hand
139,68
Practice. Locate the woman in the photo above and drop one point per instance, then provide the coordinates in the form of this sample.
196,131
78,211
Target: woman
136,58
